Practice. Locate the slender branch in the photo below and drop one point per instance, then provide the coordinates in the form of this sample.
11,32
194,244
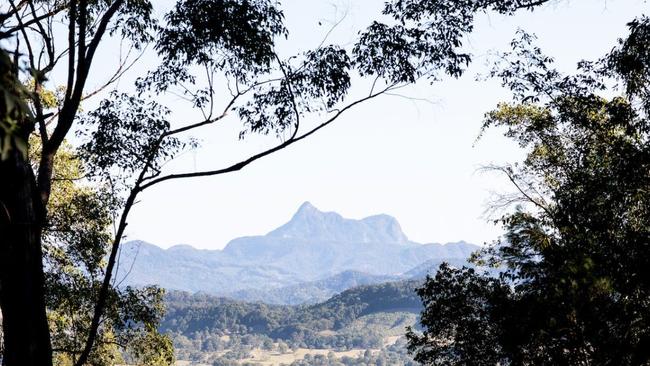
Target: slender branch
11,12
333,27
522,4
522,191
243,163
32,21
200,124
530,4
192,126
71,51
414,99
35,95
25,37
126,275
374,82
208,76
46,38
293,97
71,105
121,70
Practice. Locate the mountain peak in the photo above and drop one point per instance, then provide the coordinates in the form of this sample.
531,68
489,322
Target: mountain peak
306,209
312,224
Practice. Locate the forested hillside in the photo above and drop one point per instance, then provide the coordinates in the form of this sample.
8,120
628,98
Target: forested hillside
188,314
359,318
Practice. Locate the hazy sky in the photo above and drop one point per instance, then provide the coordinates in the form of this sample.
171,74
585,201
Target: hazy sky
415,160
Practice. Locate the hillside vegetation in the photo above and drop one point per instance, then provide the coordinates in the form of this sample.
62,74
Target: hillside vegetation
374,317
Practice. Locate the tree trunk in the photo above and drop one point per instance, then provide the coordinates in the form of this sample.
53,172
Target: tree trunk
22,288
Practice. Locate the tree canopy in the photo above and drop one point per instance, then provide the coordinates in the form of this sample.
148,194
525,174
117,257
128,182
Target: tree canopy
572,288
218,55
75,243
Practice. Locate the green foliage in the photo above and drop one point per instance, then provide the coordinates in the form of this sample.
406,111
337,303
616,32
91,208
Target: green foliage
127,137
151,348
575,249
75,243
236,40
426,37
196,316
234,36
318,83
124,136
134,21
457,319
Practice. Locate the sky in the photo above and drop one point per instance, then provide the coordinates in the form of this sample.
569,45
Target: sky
413,156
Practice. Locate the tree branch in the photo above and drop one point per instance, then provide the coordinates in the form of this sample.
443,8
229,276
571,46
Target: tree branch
32,21
516,183
293,97
243,163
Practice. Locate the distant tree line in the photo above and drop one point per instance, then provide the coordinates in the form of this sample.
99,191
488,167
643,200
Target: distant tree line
202,320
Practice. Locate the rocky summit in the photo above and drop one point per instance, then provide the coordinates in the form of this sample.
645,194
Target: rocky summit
312,249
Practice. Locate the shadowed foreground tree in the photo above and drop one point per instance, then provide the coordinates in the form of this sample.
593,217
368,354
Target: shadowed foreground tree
574,290
219,55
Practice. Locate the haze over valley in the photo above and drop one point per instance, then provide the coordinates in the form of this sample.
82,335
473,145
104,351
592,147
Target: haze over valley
313,256
319,288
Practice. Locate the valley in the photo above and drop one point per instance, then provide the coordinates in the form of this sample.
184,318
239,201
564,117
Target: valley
363,325
319,290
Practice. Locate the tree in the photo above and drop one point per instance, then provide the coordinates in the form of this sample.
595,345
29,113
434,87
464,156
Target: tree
129,137
573,289
458,325
25,194
75,243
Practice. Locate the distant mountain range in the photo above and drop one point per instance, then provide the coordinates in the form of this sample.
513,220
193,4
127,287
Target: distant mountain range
314,291
310,258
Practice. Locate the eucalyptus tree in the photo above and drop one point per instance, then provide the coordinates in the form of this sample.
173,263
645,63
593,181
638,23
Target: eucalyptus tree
204,46
75,241
574,288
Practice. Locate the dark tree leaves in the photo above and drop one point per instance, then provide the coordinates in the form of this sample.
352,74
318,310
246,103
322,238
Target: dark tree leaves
459,323
125,133
576,252
236,37
317,84
427,38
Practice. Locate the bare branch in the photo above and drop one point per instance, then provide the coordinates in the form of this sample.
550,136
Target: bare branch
47,40
244,163
32,21
507,171
121,70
